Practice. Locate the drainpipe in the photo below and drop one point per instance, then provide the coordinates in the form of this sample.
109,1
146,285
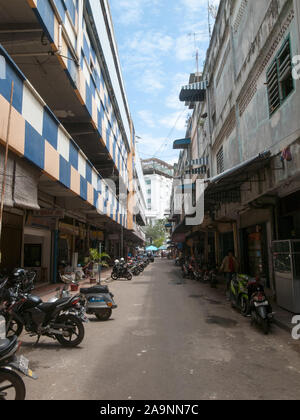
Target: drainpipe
55,251
59,40
210,128
234,78
297,10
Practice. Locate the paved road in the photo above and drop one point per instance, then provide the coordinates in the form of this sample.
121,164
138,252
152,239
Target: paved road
168,340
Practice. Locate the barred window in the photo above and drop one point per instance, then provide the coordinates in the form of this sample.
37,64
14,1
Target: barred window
220,161
279,78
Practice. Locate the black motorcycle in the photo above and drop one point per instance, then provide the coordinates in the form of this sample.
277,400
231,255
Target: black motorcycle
121,271
61,320
12,386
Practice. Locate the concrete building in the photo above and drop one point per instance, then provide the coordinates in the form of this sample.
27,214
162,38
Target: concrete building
244,136
71,135
158,178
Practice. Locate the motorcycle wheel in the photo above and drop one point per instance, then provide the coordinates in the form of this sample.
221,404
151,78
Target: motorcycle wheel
266,326
11,383
114,276
14,327
104,314
244,305
129,276
76,326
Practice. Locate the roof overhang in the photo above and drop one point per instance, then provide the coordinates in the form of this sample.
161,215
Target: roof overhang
226,187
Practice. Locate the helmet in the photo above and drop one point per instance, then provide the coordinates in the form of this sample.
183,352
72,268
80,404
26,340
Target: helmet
122,260
117,262
19,272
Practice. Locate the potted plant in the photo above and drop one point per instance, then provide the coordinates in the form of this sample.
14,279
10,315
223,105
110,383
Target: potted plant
97,258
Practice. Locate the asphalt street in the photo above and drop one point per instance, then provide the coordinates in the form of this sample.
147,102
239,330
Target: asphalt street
169,339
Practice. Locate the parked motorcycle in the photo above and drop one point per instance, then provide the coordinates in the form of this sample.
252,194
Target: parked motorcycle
188,270
239,293
11,383
260,308
134,268
99,302
213,277
121,270
61,320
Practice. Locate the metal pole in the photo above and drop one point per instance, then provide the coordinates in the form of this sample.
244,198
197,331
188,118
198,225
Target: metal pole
5,164
100,262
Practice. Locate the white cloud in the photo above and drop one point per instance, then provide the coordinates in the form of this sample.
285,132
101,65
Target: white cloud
147,117
175,121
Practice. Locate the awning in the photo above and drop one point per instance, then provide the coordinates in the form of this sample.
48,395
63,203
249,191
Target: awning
194,92
197,162
198,171
226,186
21,187
182,144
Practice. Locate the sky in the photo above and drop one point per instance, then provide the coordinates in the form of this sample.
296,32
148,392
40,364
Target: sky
157,49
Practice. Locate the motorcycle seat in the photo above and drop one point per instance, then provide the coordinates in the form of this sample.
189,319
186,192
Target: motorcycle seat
94,290
50,306
7,345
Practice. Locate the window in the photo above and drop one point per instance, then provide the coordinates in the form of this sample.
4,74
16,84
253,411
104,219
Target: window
32,255
220,161
148,182
149,201
148,191
279,78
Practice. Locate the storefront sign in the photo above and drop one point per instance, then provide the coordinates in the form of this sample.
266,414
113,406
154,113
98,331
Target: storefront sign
48,223
179,237
97,235
57,213
73,230
114,237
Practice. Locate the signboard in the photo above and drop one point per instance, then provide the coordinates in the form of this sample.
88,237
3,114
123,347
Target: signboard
114,237
72,230
96,235
57,213
179,237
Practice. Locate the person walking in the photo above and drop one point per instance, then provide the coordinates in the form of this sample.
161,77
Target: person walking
229,267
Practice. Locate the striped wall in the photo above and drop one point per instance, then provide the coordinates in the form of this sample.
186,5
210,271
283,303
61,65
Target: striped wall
37,135
87,78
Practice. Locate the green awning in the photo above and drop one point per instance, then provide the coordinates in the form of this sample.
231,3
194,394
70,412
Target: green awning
182,144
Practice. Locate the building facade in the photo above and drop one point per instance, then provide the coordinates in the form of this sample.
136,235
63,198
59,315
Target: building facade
244,136
71,159
158,179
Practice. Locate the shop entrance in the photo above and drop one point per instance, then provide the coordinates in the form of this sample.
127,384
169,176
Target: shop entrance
37,252
256,252
11,241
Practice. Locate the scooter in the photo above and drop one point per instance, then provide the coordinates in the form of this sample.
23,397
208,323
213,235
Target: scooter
260,308
239,297
99,302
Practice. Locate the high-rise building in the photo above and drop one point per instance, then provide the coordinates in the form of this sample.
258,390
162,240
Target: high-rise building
159,179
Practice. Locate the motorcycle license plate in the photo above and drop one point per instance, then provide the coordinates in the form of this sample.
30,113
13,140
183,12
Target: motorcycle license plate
22,364
261,304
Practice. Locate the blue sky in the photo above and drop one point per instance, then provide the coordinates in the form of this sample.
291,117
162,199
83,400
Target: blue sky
157,54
